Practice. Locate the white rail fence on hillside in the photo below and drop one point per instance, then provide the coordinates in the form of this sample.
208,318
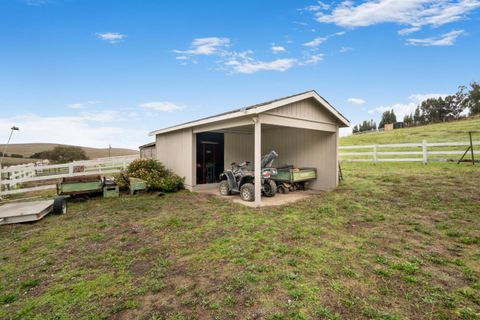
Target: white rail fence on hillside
32,177
408,152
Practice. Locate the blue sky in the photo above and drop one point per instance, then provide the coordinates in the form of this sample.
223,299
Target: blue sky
106,72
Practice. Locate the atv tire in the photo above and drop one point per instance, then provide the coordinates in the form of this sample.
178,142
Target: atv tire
269,188
247,192
224,188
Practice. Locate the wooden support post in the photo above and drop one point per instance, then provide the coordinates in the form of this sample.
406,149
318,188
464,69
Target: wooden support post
424,151
1,182
257,161
471,147
375,154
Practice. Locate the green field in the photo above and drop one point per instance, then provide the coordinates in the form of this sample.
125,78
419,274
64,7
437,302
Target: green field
394,241
456,131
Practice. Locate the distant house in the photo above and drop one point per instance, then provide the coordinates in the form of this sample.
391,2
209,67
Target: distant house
148,151
303,129
391,126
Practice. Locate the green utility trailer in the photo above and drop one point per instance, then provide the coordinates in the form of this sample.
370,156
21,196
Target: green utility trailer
80,186
291,178
84,186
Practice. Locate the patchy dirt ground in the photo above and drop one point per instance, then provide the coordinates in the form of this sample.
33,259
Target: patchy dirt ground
394,241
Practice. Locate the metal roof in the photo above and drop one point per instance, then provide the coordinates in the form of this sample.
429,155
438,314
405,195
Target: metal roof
261,107
151,144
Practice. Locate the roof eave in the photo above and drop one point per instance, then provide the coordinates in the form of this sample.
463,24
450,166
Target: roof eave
256,110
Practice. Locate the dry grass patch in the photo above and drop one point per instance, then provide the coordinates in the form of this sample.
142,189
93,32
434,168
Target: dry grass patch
394,241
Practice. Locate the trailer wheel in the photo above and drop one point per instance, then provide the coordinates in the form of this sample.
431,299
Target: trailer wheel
225,188
59,205
269,188
282,189
247,192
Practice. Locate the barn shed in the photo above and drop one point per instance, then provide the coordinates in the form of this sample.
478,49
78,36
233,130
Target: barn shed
303,129
148,151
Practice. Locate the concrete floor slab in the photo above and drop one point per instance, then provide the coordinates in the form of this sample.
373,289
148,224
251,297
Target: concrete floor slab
278,200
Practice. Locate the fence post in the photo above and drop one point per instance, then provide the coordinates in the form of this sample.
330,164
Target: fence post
70,168
424,151
375,154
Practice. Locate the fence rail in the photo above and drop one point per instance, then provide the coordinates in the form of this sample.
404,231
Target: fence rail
32,177
413,152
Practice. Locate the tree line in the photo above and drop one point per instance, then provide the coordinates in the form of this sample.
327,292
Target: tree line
433,110
365,126
61,154
447,108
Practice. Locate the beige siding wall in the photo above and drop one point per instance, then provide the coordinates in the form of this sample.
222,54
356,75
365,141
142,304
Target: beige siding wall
148,153
175,150
308,109
305,148
300,147
238,147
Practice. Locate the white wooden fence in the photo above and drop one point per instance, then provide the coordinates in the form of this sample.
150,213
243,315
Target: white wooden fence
31,177
408,152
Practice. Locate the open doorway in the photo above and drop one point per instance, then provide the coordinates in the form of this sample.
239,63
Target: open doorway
210,157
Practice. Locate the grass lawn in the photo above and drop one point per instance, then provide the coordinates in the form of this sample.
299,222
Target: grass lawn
394,241
455,131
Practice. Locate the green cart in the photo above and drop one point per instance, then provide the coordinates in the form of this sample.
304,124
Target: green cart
85,186
291,178
80,186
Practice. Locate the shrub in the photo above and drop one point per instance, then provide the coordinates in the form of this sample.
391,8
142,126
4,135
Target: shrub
62,154
121,180
155,174
16,155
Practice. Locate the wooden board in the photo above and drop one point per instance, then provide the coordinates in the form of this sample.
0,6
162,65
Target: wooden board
24,211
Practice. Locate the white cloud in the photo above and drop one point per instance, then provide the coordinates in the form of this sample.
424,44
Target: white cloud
103,116
161,106
111,37
345,49
319,40
75,130
447,39
76,106
249,66
313,59
317,7
357,101
402,109
412,13
315,42
236,62
278,49
205,46
82,105
404,32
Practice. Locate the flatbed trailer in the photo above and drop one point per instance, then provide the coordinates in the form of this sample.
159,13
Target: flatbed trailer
31,211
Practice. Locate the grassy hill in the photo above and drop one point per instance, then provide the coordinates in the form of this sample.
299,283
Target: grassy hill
27,149
9,161
456,131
